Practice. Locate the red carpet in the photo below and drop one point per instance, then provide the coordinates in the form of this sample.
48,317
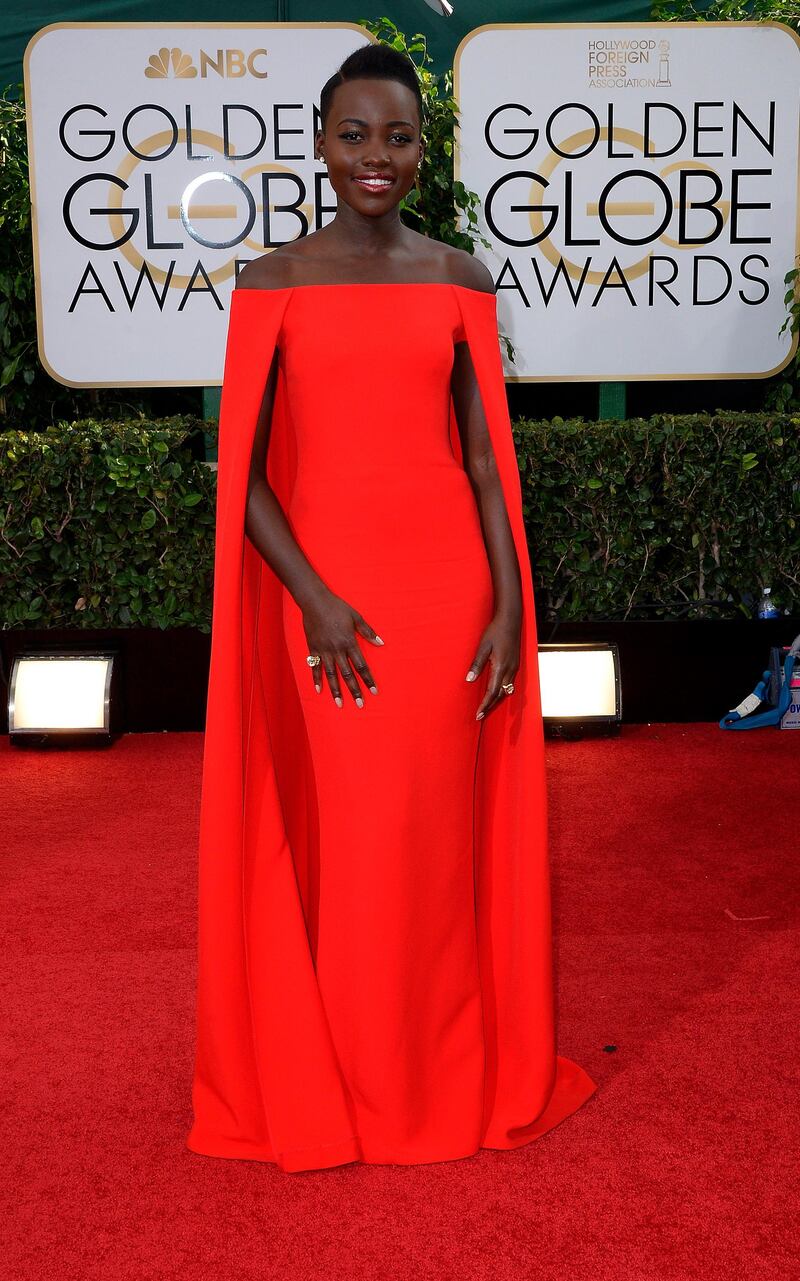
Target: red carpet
674,854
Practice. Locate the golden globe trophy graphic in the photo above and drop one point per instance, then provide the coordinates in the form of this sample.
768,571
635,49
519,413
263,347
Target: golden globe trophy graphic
663,63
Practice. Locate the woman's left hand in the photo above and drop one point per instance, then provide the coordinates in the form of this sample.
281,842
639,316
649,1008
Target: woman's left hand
500,645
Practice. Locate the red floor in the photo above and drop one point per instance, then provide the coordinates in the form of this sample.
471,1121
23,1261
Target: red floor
675,868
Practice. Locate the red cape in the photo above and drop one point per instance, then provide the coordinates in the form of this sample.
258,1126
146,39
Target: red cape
267,1081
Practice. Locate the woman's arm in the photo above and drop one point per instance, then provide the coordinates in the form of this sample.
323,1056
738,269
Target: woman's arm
500,642
265,521
481,467
332,625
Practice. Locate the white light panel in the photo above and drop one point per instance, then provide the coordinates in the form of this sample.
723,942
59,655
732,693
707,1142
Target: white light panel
577,683
60,693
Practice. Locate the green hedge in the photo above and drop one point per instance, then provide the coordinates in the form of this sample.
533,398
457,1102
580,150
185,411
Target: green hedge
109,524
674,516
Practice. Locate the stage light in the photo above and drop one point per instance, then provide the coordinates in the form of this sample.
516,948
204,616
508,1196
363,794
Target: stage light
580,688
441,7
60,693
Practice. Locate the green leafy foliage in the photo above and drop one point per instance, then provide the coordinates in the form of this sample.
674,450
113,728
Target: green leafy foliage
673,516
19,365
784,392
786,11
106,524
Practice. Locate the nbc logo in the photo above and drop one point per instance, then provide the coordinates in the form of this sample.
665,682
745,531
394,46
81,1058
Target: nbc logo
159,65
229,64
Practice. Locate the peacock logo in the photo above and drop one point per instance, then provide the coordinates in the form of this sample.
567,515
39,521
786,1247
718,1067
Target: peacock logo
170,62
228,64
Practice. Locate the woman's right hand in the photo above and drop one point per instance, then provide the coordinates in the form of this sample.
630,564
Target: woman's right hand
332,627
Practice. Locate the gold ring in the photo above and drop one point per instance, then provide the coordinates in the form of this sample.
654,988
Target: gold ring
313,659
509,688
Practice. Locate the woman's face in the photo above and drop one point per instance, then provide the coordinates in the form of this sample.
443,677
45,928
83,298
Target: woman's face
372,132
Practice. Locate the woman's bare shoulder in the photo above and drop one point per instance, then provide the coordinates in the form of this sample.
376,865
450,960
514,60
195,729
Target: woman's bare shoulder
275,270
440,261
464,269
455,266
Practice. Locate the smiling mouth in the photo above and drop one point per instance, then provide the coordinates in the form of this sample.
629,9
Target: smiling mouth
375,184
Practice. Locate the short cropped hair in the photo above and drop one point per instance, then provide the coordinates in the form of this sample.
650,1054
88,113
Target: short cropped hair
373,62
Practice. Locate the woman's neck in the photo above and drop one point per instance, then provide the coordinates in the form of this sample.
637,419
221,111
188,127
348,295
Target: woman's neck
356,234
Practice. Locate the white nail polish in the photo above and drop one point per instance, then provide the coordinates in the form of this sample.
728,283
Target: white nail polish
470,676
379,641
359,702
338,702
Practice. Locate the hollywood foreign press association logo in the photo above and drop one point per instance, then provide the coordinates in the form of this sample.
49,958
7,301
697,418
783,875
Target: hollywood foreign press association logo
628,61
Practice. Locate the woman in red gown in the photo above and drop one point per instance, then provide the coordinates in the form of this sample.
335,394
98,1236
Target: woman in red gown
375,977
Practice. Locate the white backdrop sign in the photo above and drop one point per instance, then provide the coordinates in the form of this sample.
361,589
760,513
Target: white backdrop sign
163,157
639,187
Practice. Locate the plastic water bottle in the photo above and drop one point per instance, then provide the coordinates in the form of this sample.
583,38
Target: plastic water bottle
766,606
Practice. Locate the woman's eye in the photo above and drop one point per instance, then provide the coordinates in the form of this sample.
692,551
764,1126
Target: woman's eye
355,133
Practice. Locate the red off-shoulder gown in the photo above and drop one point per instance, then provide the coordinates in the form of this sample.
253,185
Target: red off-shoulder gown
374,977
